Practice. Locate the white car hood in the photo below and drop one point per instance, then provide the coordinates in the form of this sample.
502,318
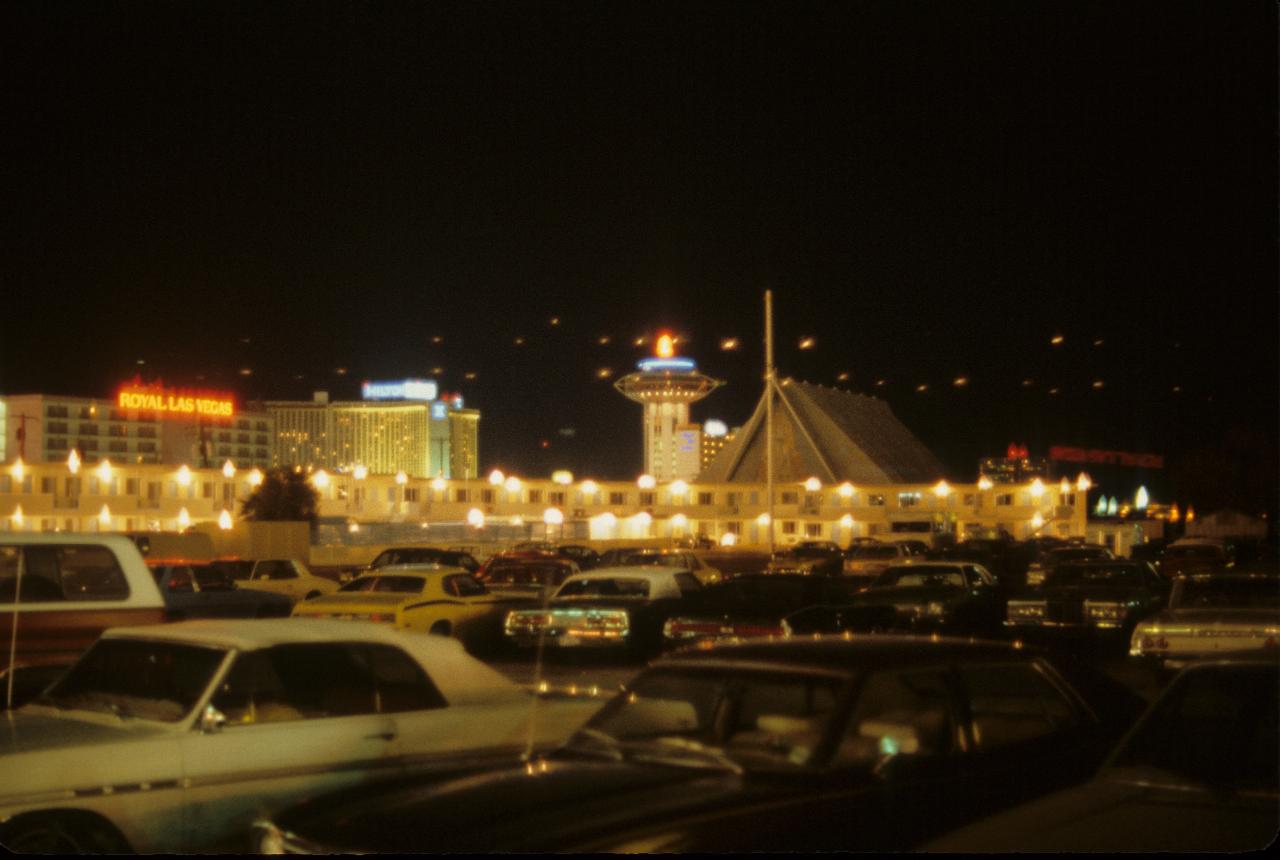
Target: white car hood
36,728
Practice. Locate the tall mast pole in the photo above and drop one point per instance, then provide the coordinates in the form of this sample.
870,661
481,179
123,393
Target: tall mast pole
768,409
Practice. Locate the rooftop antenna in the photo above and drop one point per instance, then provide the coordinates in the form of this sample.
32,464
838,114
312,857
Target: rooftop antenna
769,384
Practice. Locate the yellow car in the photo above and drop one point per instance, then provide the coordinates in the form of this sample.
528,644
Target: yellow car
430,598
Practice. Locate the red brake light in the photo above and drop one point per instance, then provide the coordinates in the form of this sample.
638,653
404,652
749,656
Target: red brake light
694,628
756,630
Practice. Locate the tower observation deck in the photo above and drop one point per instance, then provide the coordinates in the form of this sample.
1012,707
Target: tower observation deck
665,385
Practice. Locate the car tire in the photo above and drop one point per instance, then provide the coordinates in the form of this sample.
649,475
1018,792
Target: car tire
441,628
68,833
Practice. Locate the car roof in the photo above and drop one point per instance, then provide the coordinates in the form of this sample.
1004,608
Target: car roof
419,568
852,653
632,572
251,633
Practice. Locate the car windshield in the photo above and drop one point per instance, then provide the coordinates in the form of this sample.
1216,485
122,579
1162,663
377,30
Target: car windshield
919,576
1100,575
1262,592
1216,726
396,583
137,678
753,720
611,587
874,552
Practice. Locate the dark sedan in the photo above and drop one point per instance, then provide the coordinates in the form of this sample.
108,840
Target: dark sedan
1089,598
208,591
930,596
816,557
1199,773
831,745
752,604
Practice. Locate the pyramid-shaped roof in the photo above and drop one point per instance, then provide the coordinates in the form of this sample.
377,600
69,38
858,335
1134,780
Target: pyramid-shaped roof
825,433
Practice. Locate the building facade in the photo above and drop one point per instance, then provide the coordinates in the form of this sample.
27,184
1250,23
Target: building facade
385,434
45,428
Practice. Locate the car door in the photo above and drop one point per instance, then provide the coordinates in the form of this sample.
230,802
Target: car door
179,589
1026,736
278,576
301,719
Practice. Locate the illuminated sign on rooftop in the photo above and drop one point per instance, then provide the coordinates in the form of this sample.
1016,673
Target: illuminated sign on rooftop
658,365
172,403
404,389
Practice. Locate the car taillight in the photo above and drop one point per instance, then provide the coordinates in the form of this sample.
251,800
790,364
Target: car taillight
1270,643
677,629
383,617
756,630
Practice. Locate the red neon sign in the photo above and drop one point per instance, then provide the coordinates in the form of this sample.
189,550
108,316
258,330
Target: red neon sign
175,403
1113,458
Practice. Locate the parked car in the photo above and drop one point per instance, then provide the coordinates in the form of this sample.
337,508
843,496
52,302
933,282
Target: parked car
417,555
1197,555
1090,596
584,557
679,559
752,605
913,547
622,608
205,590
816,557
174,737
1199,773
1151,551
613,557
63,590
1049,560
528,574
286,576
428,598
865,561
871,744
1006,559
1207,615
924,596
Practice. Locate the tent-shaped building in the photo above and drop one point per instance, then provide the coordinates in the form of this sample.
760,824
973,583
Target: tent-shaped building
826,433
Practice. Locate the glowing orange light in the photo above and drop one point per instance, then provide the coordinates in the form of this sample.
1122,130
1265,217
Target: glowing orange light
167,402
666,346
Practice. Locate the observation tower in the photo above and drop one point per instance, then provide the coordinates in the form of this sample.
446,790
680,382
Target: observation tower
665,385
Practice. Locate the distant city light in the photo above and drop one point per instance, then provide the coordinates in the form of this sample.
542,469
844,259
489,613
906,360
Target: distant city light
437,339
563,477
729,343
1037,520
1053,390
1036,489
512,484
402,478
845,490
73,462
679,488
246,371
519,341
1098,383
881,382
604,373
438,483
1083,483
960,381
184,519
104,517
679,521
665,347
104,470
255,478
1056,339
17,516
496,477
640,341
341,371
806,343
921,388
847,521
603,340
984,483
1141,499
1027,383
942,489
590,487
360,472
843,376
762,520
1097,341
475,518
320,479
728,539
553,516
184,476
555,321
18,470
470,374
1112,506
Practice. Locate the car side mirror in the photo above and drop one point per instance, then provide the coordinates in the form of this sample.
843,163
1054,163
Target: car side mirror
212,720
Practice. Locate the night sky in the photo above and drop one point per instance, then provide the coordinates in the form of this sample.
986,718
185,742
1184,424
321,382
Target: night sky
276,198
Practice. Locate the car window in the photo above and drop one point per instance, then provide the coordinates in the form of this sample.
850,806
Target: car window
688,583
210,578
179,579
275,570
237,570
463,585
1013,702
401,683
1217,726
138,678
920,576
899,712
74,572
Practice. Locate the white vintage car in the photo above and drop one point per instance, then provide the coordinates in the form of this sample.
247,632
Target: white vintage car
1209,615
175,737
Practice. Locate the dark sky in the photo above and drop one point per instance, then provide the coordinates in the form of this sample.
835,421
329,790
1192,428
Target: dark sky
931,189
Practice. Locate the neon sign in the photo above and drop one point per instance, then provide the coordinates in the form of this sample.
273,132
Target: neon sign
404,389
1117,458
167,402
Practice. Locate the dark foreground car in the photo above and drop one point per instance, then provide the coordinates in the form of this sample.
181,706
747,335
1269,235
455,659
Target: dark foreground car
928,596
835,744
1199,773
753,604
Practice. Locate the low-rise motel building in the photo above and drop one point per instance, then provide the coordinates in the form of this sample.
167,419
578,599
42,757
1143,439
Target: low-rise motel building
48,497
